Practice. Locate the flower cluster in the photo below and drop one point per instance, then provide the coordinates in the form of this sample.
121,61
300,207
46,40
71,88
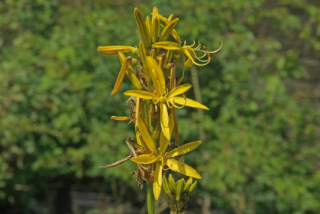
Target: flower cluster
158,93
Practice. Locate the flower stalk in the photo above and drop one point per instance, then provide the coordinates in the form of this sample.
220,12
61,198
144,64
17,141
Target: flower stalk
156,74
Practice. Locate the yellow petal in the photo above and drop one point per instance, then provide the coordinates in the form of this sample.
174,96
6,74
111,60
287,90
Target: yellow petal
143,55
156,75
164,142
115,49
183,149
190,60
182,168
137,113
148,24
131,74
167,45
188,102
179,90
176,128
142,28
145,135
168,29
140,93
138,137
120,76
162,18
164,120
145,159
120,118
176,36
155,26
157,181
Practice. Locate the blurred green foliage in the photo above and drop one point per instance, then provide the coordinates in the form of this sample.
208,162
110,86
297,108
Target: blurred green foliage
262,139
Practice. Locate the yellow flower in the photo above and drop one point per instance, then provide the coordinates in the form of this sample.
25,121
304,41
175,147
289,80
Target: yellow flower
189,51
162,158
163,98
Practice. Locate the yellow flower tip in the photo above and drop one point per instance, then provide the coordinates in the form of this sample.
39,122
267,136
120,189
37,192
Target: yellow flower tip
115,49
120,118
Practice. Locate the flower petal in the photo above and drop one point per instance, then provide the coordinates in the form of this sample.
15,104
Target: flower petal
119,118
142,28
164,142
131,74
179,90
145,135
115,49
145,159
157,181
182,168
120,76
188,102
156,75
164,120
140,93
183,149
167,45
168,29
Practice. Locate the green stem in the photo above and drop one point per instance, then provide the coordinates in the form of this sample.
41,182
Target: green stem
150,199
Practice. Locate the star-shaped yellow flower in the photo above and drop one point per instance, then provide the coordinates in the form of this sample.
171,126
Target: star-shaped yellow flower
161,158
163,98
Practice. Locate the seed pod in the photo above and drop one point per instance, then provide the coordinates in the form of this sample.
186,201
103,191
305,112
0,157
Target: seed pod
180,188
